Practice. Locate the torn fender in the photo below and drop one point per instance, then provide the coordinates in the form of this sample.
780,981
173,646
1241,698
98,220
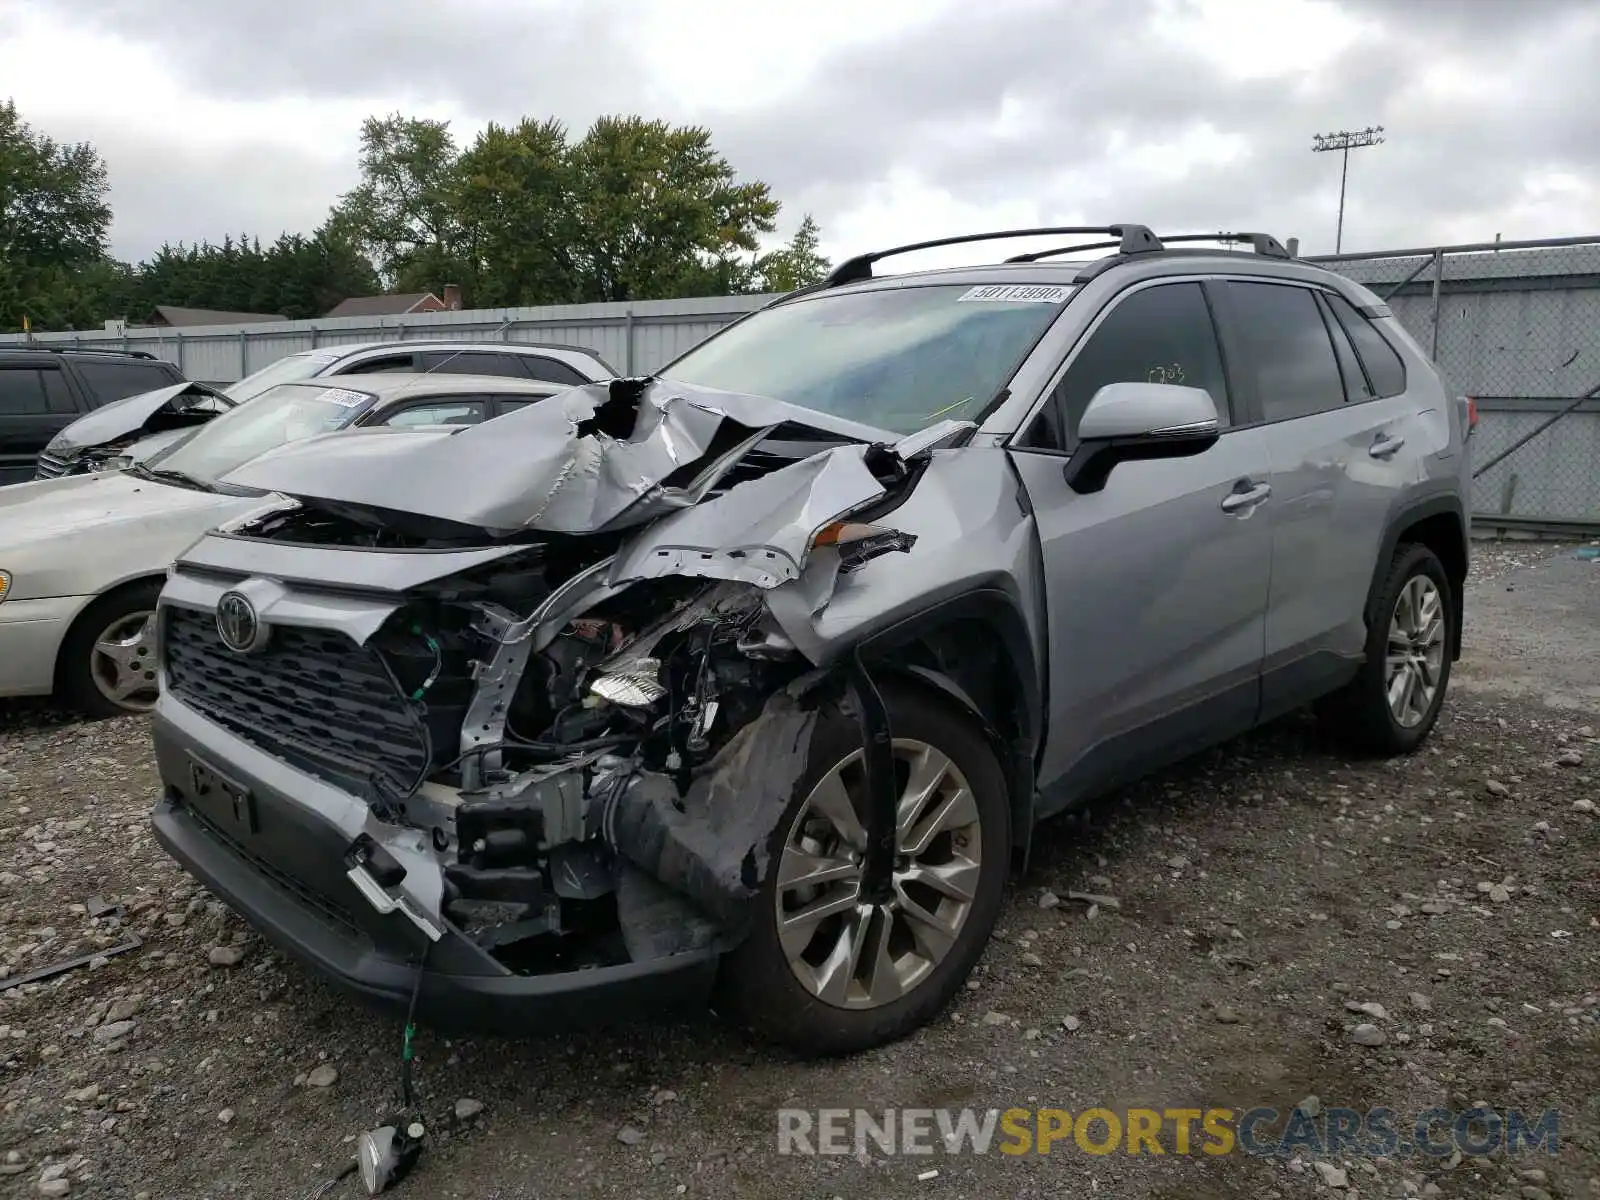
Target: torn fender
759,532
604,456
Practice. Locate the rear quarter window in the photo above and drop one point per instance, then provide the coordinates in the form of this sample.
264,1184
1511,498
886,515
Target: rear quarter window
1385,368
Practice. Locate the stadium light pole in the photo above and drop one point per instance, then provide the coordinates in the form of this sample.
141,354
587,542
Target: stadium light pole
1345,141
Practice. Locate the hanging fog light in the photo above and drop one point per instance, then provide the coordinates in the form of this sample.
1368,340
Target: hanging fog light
385,1155
636,685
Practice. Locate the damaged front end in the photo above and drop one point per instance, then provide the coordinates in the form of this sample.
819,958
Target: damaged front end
130,430
551,717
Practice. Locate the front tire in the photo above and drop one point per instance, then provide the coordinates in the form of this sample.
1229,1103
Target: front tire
107,665
1392,704
826,970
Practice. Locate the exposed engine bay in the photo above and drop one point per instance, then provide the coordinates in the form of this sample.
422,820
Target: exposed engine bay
613,721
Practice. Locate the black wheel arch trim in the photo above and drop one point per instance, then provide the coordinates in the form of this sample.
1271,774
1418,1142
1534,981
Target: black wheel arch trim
999,611
1404,519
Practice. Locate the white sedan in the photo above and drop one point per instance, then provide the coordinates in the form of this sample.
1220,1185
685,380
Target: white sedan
82,558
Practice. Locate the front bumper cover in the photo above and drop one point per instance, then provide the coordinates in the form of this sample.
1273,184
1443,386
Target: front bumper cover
317,915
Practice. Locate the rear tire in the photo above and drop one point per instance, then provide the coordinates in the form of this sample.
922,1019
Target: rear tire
107,665
885,970
1393,702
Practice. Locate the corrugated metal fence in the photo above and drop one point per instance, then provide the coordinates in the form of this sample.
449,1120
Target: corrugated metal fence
1514,324
632,336
1517,326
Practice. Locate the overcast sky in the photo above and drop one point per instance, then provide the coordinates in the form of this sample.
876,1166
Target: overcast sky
889,120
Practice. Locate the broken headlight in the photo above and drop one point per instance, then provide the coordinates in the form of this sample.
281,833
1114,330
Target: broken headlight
637,685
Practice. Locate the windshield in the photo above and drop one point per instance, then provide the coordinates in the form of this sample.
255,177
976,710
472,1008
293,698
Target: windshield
286,413
899,359
295,367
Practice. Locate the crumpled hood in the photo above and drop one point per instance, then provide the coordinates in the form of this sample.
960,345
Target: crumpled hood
604,456
124,418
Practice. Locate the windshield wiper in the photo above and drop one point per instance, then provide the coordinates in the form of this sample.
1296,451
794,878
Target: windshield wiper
167,475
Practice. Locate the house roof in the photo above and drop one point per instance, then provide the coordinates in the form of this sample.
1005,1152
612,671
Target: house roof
380,306
174,315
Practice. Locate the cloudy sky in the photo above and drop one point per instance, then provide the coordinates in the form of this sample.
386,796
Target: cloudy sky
889,120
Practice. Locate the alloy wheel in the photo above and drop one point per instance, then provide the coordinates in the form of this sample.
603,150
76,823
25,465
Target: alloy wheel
1415,661
852,951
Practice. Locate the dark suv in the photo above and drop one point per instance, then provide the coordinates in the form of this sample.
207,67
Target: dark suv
43,391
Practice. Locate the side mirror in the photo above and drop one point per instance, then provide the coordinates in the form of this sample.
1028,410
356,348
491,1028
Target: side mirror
1126,422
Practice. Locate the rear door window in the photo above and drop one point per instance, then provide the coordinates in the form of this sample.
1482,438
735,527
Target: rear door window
111,380
1288,353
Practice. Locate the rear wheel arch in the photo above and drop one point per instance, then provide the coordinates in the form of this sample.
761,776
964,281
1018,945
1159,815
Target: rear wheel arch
975,651
1439,524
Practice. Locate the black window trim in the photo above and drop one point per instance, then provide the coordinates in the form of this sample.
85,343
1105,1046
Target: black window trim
1336,331
1015,440
1405,371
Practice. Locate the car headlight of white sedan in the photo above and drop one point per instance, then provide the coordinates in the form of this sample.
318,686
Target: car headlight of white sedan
5,584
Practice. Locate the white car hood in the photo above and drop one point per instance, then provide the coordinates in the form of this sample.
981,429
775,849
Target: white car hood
80,534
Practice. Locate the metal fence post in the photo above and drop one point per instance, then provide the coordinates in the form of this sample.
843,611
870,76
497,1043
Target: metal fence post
244,354
314,332
627,345
1438,280
178,337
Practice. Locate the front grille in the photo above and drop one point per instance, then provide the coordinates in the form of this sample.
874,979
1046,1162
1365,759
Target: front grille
312,697
331,911
48,466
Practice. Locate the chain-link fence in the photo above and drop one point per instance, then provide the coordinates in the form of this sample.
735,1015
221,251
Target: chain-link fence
1516,325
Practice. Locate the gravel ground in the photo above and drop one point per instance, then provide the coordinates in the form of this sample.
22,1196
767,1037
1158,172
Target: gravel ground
1262,891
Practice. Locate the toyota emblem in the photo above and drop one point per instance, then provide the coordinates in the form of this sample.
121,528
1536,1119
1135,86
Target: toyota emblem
237,624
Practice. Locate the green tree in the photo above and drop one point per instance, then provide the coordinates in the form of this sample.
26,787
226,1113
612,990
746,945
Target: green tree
515,200
659,211
53,221
796,265
405,211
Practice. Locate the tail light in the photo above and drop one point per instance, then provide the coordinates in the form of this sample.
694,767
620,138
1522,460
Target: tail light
1472,414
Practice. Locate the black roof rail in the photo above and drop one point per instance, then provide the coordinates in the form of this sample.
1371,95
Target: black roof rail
57,349
53,348
1131,239
1262,243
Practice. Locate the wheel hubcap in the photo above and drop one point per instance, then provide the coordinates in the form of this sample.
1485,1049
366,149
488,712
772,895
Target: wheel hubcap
852,950
123,662
1416,651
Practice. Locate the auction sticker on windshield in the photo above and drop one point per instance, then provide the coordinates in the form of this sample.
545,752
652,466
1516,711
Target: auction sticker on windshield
1035,293
344,398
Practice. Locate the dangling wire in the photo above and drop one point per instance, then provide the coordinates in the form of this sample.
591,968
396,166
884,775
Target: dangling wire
406,1052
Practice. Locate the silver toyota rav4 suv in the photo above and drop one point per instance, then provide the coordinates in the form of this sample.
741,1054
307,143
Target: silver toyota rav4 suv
747,682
